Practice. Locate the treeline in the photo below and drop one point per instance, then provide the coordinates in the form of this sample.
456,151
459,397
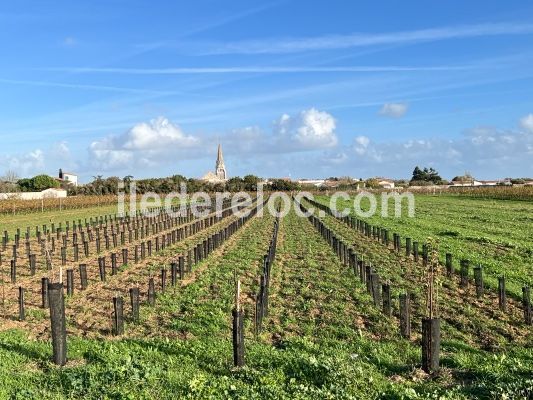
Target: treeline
105,186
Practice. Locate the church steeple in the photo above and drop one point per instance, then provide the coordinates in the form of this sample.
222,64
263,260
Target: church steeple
220,168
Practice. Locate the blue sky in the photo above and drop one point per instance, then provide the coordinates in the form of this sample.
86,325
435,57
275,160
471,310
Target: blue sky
290,88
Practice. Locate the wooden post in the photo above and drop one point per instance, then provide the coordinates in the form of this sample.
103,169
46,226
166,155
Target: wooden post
376,289
118,315
22,314
13,271
449,265
502,296
181,267
151,292
238,330
173,273
405,315
124,256
83,276
430,344
478,277
408,247
114,267
101,267
386,294
70,282
526,301
134,298
58,324
368,272
44,293
163,279
32,264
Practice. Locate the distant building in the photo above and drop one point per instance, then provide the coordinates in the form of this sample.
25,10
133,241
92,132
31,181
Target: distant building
385,183
491,183
466,183
220,175
68,177
314,182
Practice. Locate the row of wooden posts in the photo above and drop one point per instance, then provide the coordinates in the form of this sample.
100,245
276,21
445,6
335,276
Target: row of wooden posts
102,221
381,295
177,232
412,249
102,269
142,226
53,297
261,301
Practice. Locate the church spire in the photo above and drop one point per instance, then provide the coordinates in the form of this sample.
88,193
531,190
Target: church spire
220,158
220,168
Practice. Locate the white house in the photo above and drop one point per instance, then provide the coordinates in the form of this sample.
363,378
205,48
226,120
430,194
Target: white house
68,177
385,183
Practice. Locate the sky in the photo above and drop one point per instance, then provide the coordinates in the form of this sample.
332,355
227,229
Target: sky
298,89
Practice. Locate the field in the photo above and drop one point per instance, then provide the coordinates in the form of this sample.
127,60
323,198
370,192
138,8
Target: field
496,234
323,337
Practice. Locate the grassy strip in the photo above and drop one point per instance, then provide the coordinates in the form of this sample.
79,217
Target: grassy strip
493,233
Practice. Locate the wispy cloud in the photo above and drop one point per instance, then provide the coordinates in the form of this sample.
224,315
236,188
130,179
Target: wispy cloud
332,42
394,110
255,69
84,86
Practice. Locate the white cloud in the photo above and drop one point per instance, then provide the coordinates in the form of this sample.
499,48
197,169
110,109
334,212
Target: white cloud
526,122
361,143
486,151
61,151
146,144
311,129
41,161
394,110
25,164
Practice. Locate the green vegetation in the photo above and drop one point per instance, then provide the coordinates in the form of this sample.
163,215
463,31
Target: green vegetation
323,337
493,233
37,183
422,177
101,185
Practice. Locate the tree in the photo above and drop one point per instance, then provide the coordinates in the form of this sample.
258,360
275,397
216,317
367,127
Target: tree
372,183
37,183
10,176
250,182
418,174
127,183
284,185
43,182
8,182
235,184
425,175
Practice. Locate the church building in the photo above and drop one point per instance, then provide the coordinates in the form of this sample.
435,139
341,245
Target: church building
220,175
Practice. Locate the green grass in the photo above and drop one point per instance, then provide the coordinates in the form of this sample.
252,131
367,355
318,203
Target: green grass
323,340
12,222
493,233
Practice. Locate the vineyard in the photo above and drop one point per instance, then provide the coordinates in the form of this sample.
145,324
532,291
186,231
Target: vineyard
259,306
15,206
